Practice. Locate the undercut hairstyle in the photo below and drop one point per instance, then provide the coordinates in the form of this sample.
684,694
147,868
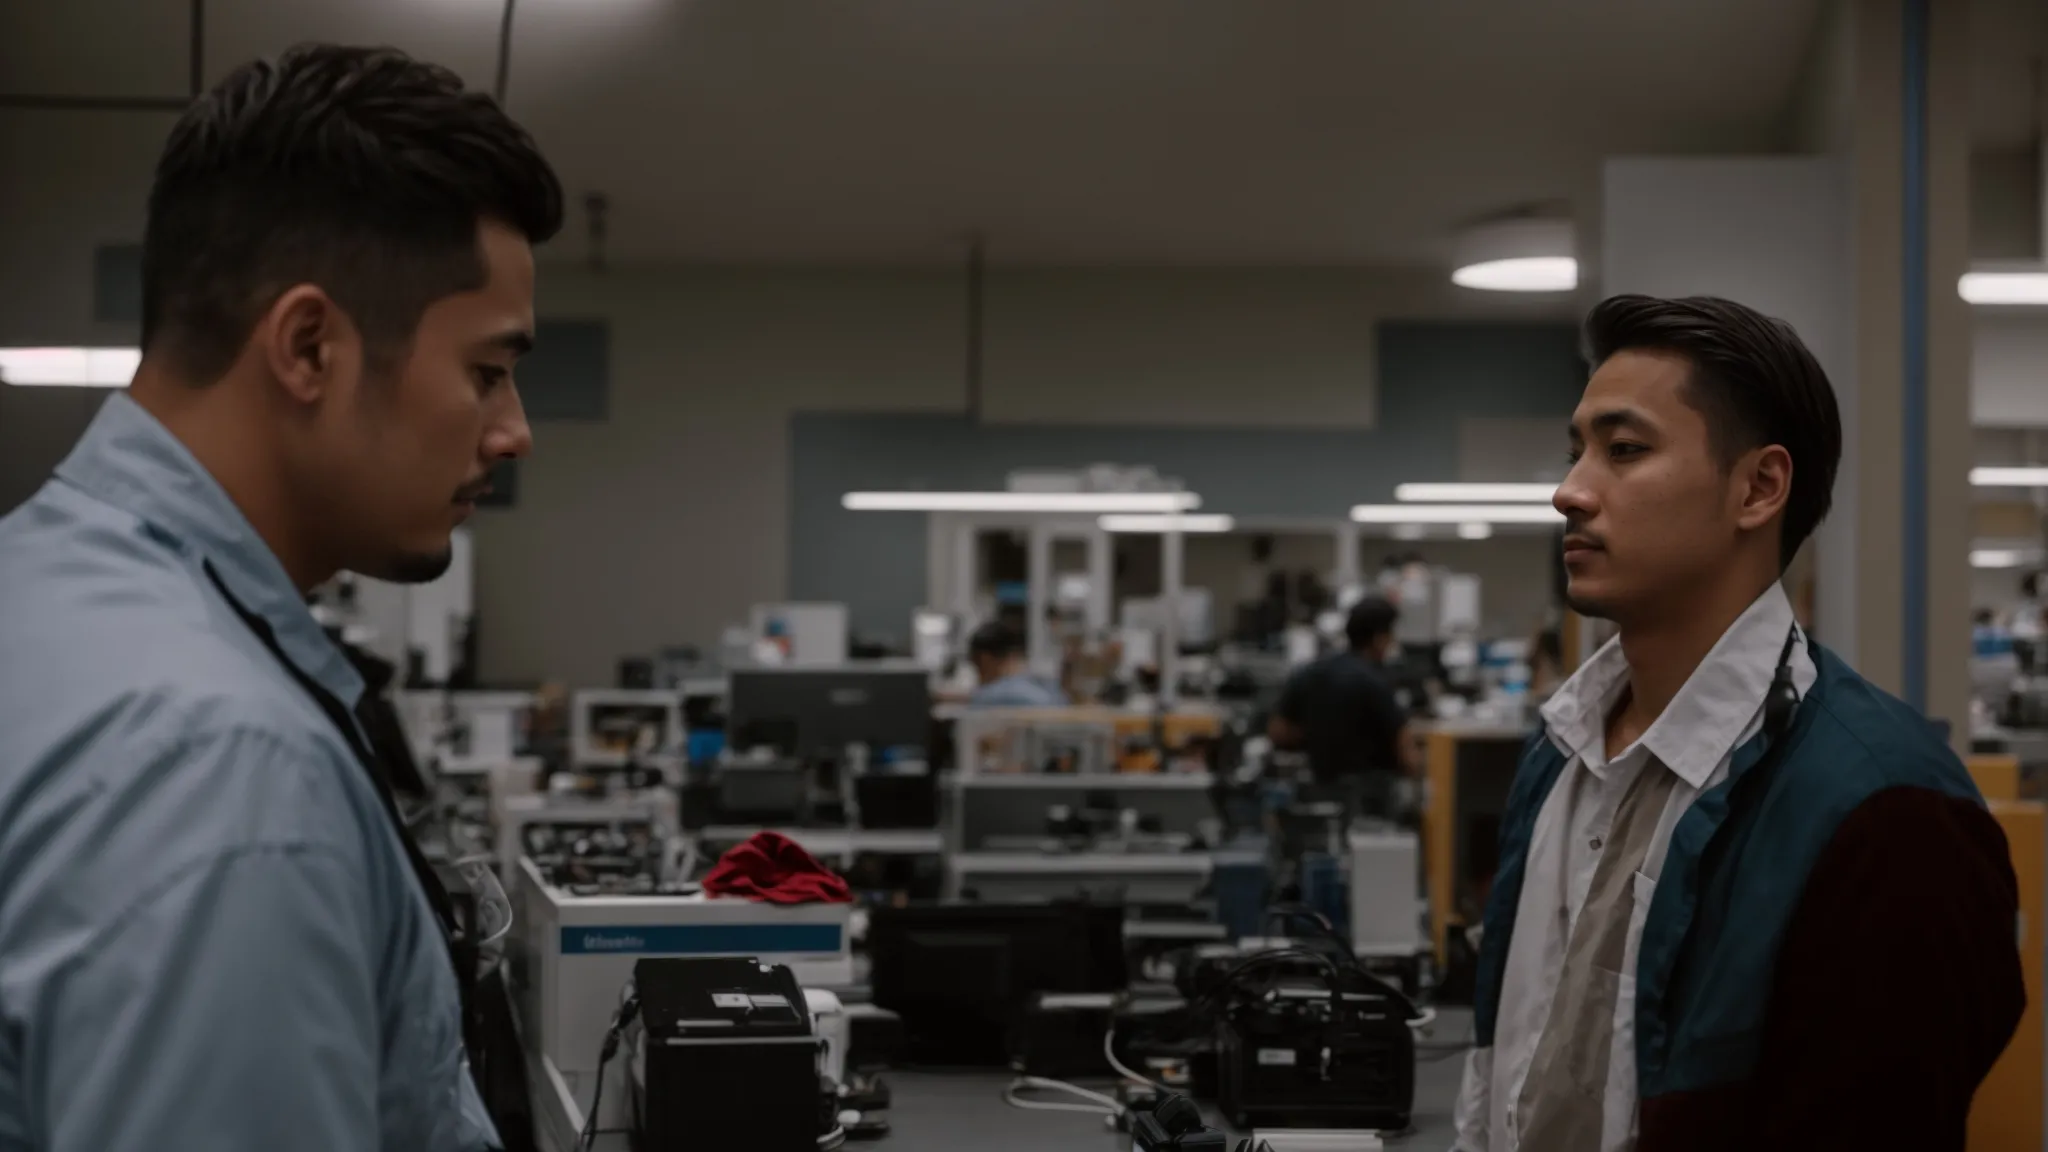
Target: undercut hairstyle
1754,381
359,170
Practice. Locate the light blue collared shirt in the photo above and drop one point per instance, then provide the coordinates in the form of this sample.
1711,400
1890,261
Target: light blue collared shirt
210,938
1020,691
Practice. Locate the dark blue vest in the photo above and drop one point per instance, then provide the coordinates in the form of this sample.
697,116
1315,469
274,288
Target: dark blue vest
1737,865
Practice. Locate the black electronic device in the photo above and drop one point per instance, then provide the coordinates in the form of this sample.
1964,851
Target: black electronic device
1059,1035
728,1057
815,713
1174,1125
1296,1052
958,974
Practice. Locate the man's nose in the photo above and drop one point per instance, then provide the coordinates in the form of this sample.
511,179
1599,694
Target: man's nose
509,436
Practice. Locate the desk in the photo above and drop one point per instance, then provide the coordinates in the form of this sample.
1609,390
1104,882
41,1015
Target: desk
1470,769
952,1111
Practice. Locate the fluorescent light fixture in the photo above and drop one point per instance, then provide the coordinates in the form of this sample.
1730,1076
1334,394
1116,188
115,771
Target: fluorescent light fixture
1475,530
69,367
1409,532
1157,524
2004,287
1080,503
1474,493
1997,558
1456,514
1520,274
1518,253
2009,477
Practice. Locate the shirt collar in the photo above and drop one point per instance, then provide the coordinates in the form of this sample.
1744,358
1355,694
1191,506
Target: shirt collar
129,460
1708,717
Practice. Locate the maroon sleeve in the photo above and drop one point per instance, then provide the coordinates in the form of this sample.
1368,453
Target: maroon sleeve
1898,983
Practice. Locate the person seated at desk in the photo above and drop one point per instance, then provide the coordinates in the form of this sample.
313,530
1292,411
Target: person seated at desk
997,653
1343,712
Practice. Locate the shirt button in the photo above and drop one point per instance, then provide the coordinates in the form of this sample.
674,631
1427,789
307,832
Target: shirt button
1596,843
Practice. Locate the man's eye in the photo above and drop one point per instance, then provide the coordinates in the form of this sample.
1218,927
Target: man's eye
489,376
1624,451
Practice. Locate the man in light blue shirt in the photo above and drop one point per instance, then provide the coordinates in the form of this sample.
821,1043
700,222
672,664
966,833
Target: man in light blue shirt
214,935
997,653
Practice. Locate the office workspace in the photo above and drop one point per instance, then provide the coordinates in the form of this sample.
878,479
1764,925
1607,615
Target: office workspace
1066,575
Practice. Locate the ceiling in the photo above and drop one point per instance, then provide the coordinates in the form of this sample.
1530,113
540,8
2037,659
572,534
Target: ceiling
1072,131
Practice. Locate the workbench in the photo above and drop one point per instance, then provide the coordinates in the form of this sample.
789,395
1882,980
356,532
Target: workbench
950,1111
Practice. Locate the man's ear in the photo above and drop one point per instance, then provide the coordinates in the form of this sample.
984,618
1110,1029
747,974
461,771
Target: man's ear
303,338
1766,485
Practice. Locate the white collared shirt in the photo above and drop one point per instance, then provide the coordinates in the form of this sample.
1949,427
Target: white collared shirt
1719,708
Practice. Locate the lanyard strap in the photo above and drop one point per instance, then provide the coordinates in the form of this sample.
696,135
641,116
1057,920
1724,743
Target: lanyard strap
338,715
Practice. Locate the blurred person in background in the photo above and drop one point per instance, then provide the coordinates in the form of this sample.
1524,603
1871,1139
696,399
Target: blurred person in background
1003,674
1344,713
218,933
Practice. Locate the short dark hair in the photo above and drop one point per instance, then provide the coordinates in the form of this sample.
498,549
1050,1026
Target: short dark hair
360,170
1752,378
996,640
1370,619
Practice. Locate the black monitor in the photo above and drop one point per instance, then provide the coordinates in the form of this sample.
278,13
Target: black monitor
817,712
959,974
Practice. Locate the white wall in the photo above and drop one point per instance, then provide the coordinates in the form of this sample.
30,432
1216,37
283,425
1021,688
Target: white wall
664,523
2009,369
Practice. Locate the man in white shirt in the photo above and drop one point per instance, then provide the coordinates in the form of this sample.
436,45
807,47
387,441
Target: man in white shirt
1725,847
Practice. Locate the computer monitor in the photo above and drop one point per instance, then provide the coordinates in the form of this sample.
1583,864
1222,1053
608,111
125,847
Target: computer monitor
817,712
959,974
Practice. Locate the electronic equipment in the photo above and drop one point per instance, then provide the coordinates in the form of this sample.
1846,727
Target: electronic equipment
958,974
573,952
727,1057
1059,1035
1174,1125
618,727
1333,1050
815,713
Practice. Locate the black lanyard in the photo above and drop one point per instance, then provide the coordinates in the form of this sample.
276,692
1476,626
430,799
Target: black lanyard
344,723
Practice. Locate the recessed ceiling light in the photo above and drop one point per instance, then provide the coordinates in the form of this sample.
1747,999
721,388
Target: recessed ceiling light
1080,503
1169,523
69,367
2009,477
1455,514
2004,287
1475,531
1997,558
1520,274
1475,493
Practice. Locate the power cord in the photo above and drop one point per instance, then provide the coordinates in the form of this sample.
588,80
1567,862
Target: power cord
629,1009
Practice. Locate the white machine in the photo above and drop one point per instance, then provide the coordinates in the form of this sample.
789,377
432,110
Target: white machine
577,952
612,727
1386,893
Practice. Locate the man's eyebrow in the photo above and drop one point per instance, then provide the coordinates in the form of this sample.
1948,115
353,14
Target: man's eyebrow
1618,420
517,341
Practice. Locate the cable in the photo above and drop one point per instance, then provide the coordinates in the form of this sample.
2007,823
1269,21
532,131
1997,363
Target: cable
1098,1104
628,1010
1116,1065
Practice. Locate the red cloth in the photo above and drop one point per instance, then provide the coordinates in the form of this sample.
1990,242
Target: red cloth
774,868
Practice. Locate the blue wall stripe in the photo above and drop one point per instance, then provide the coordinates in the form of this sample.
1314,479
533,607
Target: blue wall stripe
701,939
1913,327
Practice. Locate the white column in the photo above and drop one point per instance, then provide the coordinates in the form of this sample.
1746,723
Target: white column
1101,580
1171,577
966,551
1037,635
